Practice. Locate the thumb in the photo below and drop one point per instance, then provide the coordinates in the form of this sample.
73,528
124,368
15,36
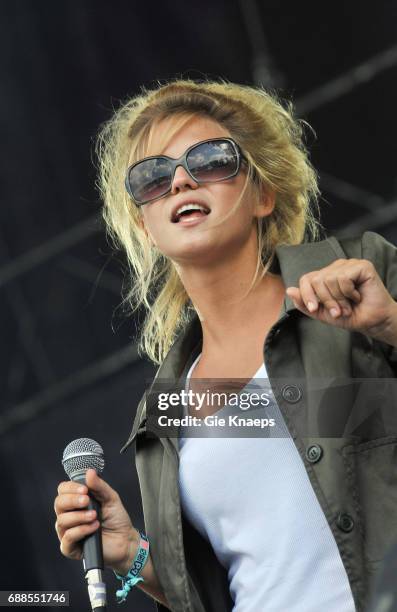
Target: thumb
100,489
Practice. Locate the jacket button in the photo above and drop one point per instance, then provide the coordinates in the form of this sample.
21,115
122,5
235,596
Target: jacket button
314,453
345,522
291,393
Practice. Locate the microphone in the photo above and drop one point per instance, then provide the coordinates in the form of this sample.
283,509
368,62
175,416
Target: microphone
78,457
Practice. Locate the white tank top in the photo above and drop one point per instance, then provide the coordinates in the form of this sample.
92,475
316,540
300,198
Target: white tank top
252,499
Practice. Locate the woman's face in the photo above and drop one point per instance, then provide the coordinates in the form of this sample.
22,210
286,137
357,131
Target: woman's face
202,240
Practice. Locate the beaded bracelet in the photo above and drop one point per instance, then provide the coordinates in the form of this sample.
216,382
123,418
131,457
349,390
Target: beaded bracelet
133,577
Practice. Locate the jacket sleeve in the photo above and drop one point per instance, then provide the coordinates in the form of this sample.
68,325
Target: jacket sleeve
383,255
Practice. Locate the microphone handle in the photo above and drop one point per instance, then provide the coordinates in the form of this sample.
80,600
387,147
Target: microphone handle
92,544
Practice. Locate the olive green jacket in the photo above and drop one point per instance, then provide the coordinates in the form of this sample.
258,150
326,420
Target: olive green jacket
335,390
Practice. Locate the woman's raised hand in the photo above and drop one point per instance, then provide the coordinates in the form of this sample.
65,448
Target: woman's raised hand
74,522
350,294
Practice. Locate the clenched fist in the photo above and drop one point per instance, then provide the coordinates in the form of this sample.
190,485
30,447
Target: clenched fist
349,294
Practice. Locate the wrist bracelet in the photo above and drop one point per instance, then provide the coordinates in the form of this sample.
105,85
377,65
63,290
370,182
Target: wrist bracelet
133,577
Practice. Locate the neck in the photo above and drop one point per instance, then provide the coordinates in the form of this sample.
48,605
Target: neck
218,292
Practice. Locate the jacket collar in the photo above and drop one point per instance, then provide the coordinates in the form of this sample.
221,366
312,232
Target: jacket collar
293,261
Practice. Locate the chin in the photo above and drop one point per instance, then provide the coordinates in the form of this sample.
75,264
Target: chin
198,249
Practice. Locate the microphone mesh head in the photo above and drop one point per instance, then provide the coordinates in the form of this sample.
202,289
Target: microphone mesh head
82,454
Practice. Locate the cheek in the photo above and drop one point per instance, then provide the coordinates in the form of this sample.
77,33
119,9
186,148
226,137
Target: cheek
244,214
228,194
149,225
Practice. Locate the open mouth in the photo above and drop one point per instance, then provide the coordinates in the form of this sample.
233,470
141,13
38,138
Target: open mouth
191,211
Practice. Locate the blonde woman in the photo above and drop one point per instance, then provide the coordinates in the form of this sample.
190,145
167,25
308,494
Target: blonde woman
208,188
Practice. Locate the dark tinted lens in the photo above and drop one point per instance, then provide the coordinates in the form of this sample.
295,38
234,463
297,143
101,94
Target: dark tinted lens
213,161
150,179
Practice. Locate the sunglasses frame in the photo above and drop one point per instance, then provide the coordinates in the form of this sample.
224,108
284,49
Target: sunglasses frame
182,161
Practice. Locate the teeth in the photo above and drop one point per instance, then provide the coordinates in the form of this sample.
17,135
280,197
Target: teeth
190,207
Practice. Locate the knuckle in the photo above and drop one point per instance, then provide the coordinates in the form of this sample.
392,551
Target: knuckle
56,504
304,284
72,502
62,486
65,549
60,522
317,278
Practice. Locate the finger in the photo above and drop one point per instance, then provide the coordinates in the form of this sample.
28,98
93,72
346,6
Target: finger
320,312
295,295
339,293
67,520
316,285
336,291
312,291
69,486
348,288
71,538
70,501
343,277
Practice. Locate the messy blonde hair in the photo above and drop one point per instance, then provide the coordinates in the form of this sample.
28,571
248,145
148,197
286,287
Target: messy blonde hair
272,140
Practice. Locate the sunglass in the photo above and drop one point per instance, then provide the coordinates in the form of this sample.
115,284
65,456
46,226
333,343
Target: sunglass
208,161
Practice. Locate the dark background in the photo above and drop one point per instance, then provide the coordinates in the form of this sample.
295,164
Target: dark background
69,362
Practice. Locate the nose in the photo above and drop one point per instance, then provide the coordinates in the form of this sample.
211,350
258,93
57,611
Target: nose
182,180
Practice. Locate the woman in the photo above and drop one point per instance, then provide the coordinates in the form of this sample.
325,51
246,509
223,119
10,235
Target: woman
217,225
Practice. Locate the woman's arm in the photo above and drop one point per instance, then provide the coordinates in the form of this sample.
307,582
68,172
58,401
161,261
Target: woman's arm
151,584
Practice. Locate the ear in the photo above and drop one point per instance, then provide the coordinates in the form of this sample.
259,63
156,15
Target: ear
265,203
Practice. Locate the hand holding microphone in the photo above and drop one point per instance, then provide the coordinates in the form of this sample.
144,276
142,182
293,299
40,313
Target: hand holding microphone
78,519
